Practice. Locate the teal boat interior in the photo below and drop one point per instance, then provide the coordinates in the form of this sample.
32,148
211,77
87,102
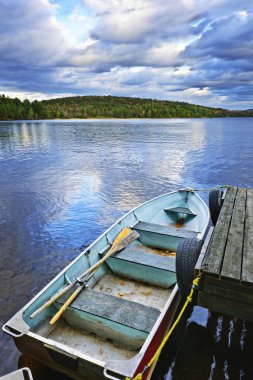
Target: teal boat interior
123,301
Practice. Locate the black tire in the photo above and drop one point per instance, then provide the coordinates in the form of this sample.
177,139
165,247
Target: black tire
187,255
215,204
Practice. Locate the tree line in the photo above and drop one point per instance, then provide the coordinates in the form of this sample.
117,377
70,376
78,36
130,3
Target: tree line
106,107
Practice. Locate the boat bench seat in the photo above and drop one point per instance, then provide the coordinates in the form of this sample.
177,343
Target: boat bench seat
162,236
164,230
145,264
180,210
137,254
125,322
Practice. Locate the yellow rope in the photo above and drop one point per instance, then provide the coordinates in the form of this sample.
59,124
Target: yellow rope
195,283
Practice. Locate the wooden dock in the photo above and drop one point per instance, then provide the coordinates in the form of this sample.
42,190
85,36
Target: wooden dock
227,259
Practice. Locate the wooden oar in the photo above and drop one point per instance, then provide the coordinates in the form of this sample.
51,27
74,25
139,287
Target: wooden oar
126,232
117,246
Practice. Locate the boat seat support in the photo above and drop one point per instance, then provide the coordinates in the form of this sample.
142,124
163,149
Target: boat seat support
180,210
164,230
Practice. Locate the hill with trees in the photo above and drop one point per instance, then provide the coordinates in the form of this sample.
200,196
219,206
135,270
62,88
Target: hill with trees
106,107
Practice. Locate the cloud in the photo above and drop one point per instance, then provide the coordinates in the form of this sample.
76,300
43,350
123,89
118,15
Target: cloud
30,33
229,38
188,50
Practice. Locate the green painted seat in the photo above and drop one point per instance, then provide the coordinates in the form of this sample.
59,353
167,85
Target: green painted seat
162,236
180,210
160,229
139,255
145,264
125,322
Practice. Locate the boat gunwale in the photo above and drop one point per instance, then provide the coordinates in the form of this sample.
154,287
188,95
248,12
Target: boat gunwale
199,235
153,331
150,336
63,347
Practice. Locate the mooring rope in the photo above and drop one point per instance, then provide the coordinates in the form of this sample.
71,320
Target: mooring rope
210,189
195,284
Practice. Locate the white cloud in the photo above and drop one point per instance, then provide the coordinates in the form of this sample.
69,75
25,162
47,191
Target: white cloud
30,33
198,91
187,50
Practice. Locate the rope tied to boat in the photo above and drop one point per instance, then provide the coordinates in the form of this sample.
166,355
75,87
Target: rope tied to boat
192,190
194,286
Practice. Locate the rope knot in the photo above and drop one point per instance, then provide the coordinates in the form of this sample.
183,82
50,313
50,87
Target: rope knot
196,281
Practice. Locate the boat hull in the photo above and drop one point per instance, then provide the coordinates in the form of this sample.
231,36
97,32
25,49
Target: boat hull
78,367
159,224
20,374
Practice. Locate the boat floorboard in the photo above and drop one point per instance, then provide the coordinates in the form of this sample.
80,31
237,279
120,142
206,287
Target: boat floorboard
148,295
86,343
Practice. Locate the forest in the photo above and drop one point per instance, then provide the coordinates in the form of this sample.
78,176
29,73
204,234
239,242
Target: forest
106,107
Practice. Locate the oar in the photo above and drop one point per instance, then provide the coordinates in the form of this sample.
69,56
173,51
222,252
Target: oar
126,232
118,245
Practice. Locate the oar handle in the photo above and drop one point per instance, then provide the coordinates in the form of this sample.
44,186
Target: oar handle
94,267
66,304
53,299
59,294
125,237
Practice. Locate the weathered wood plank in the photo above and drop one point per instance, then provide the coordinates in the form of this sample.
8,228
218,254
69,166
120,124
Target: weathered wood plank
164,230
233,295
227,285
247,263
224,284
199,266
116,309
139,255
215,252
232,261
225,306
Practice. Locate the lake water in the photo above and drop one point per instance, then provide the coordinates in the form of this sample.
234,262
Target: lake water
62,183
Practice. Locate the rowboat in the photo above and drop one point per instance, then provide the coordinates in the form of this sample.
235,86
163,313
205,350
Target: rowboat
122,309
20,374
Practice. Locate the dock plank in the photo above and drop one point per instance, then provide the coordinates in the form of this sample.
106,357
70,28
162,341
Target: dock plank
235,309
232,261
247,264
215,252
228,293
227,282
222,283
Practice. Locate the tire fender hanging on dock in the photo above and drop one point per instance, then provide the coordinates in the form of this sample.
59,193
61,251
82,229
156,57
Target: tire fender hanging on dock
186,257
215,204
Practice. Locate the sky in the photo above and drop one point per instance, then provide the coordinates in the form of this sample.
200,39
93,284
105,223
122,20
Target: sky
197,51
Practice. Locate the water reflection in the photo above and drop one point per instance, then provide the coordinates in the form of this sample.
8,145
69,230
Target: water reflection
203,356
63,183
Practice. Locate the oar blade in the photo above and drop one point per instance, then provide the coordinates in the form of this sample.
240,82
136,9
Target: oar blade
132,236
124,233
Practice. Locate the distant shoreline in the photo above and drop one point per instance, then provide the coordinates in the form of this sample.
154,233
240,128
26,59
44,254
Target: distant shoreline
119,119
108,107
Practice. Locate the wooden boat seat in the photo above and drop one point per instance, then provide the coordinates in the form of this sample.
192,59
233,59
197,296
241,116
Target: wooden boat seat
180,210
125,322
144,264
137,254
138,263
164,230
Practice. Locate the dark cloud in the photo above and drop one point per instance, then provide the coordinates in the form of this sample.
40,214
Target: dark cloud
187,50
29,33
230,38
222,57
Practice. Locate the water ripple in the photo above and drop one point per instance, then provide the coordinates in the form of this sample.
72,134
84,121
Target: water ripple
63,183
